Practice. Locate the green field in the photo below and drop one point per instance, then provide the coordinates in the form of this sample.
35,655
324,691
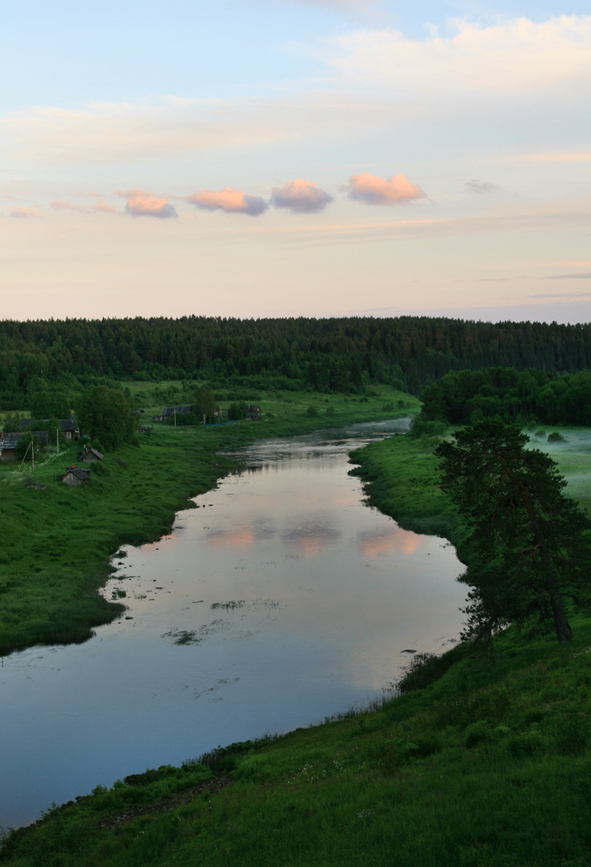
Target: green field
56,540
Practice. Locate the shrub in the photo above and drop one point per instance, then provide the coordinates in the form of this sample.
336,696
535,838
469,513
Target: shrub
424,669
312,411
556,437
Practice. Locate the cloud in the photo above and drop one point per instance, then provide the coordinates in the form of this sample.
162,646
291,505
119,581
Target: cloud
92,195
125,132
516,56
547,157
142,204
568,277
104,208
300,197
561,295
67,206
230,200
508,221
373,190
25,213
480,188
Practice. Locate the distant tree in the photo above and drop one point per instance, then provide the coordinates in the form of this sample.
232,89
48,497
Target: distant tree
106,414
237,411
530,545
205,402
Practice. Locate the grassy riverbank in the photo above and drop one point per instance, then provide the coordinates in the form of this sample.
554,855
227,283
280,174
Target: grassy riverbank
478,765
56,540
401,478
487,766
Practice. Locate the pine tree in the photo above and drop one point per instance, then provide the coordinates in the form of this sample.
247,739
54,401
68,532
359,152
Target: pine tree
530,545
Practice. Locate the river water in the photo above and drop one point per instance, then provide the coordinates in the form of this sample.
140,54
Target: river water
280,600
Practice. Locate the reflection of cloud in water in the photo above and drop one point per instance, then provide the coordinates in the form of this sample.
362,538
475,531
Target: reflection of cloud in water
311,539
241,537
380,543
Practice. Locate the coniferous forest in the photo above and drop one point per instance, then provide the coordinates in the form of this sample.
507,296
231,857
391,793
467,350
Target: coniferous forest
334,355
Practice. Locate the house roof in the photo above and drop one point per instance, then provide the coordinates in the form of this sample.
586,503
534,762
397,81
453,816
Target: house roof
78,472
89,449
69,424
10,440
66,424
180,410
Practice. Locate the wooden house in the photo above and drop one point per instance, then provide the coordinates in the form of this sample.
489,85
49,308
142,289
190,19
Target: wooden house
88,455
70,428
76,476
169,412
253,411
9,443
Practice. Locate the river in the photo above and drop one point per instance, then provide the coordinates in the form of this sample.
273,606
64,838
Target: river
280,600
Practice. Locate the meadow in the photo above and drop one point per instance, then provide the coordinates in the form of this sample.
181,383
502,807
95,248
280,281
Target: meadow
57,540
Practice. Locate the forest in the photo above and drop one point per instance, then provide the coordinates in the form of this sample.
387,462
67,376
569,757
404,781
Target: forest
327,355
468,396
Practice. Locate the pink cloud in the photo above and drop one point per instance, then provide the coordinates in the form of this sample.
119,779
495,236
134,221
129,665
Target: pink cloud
25,213
480,188
373,190
142,204
228,199
94,195
102,206
300,197
67,206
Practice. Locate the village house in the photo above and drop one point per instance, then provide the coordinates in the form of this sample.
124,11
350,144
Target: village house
76,476
9,443
170,411
89,454
69,427
253,411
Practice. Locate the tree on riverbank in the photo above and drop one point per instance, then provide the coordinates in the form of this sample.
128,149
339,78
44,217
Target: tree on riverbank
106,415
530,544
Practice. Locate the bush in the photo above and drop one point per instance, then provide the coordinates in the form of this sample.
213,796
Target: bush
556,437
312,411
424,669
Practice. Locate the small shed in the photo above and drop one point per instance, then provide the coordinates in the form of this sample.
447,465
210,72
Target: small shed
8,444
88,455
253,410
76,476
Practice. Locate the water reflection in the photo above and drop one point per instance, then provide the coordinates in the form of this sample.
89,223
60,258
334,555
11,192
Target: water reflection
281,599
387,540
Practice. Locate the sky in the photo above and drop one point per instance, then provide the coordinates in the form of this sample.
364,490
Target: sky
273,158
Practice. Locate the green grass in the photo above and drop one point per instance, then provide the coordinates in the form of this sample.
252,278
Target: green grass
56,540
489,765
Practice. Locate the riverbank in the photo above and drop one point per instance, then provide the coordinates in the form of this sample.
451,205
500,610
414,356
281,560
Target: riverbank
56,540
477,765
488,765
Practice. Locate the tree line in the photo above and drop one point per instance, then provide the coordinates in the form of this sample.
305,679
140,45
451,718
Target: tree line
329,355
468,396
